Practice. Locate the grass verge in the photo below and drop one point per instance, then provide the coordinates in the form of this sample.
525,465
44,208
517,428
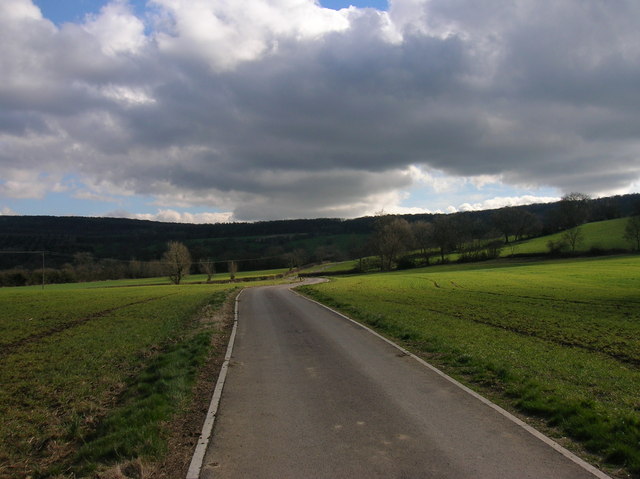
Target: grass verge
135,427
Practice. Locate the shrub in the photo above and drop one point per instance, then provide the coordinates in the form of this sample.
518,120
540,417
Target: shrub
406,262
557,247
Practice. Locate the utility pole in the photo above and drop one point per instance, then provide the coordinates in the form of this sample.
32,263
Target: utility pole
43,270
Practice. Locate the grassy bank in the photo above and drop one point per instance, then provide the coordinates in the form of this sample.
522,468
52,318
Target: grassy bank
598,236
556,340
90,376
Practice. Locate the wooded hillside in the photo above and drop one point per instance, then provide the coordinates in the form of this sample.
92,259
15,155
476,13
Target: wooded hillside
263,244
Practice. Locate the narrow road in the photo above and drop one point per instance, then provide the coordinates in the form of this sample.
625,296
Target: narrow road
312,395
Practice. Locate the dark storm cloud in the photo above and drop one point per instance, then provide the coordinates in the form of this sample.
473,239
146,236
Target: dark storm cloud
309,119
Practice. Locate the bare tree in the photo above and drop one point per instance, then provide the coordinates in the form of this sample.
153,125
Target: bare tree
516,222
86,269
391,237
233,269
177,261
632,231
505,220
360,251
572,210
444,235
297,258
207,266
423,236
527,224
573,237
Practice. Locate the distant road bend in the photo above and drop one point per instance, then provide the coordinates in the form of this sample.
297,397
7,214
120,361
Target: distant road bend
310,394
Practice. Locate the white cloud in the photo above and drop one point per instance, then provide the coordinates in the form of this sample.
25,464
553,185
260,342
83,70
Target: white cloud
226,33
172,216
6,211
19,10
127,95
117,29
501,202
90,196
26,184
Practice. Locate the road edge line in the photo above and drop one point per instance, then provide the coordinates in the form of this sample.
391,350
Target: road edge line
530,429
197,459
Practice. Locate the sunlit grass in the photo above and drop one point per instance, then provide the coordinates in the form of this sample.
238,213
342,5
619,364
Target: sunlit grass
600,235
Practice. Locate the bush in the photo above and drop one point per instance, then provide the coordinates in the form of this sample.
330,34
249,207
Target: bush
556,248
406,262
14,277
478,251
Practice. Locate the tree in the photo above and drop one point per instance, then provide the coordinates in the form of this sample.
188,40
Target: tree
391,237
207,266
516,222
527,224
573,237
505,220
632,231
177,261
444,235
360,250
572,210
233,269
85,267
423,236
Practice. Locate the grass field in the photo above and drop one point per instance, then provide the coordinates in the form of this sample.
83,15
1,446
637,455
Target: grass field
601,235
91,375
559,340
332,267
191,279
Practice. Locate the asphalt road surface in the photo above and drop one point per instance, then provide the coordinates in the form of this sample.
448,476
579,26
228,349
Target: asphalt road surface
310,394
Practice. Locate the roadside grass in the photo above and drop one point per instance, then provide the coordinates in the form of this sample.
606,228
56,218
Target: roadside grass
558,340
134,428
87,367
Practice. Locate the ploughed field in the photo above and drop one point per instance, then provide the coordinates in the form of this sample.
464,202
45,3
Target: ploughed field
556,340
90,376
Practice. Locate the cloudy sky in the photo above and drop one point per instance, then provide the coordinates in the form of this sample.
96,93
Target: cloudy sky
217,110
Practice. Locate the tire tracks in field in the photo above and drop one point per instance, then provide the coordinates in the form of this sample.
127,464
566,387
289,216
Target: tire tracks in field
460,287
618,356
621,357
11,347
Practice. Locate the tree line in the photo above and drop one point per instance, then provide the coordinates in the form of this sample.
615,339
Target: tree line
106,248
397,242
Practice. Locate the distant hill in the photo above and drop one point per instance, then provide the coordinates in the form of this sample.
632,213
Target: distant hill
127,239
264,243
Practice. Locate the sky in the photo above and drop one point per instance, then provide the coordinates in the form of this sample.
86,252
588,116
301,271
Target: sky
210,110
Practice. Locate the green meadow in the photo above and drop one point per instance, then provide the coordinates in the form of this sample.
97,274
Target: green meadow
555,340
194,278
599,235
91,375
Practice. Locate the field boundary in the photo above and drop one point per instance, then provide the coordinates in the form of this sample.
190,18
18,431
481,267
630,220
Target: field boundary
531,430
207,428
